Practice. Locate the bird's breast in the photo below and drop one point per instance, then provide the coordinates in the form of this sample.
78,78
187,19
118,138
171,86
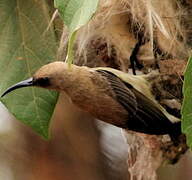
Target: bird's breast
100,105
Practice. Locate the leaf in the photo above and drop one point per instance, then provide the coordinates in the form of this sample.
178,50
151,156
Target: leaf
75,13
24,47
70,52
187,104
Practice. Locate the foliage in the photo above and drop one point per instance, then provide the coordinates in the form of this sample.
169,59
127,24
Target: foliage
75,13
24,47
187,104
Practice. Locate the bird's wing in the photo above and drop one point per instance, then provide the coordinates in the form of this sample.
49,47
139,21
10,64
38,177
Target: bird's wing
123,95
144,114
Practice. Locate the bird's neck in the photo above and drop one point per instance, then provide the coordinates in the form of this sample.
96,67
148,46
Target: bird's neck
75,81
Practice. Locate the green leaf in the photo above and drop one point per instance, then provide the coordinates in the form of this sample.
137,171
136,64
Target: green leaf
70,52
187,104
24,47
75,13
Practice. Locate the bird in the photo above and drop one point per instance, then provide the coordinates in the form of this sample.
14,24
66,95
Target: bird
110,95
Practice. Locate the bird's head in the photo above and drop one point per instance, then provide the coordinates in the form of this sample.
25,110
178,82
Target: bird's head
49,76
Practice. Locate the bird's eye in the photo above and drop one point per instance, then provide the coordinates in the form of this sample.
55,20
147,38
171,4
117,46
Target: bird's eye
43,81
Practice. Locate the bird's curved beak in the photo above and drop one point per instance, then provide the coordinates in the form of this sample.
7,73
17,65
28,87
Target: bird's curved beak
25,83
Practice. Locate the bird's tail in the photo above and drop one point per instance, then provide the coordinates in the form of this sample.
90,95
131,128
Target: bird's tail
176,131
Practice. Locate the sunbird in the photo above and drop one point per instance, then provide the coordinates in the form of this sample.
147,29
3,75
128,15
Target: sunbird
110,95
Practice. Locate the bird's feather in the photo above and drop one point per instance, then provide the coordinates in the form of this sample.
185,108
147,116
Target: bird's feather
125,96
144,114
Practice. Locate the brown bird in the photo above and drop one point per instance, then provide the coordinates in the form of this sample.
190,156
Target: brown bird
110,95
